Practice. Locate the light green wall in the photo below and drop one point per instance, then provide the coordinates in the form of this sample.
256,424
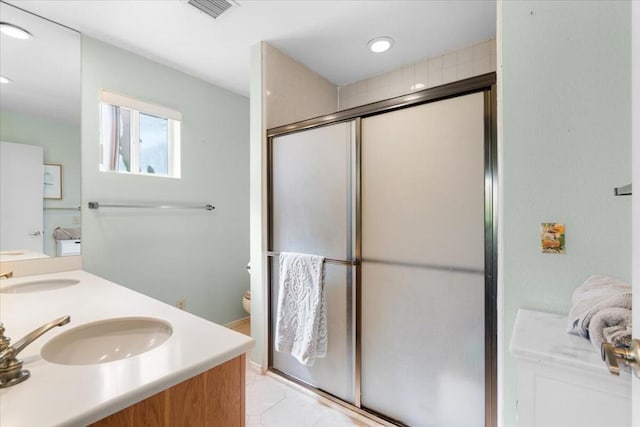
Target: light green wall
61,143
192,254
566,145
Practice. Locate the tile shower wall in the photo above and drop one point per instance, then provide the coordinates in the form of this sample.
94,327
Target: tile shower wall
457,65
283,91
292,92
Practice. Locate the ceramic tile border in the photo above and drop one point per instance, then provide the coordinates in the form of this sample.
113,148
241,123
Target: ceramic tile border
471,61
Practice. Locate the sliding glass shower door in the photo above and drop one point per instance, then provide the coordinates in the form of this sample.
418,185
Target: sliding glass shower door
401,196
423,283
312,212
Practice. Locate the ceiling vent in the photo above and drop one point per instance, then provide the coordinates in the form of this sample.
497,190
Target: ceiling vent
213,8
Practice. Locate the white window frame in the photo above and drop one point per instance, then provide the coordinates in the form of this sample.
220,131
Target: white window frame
136,106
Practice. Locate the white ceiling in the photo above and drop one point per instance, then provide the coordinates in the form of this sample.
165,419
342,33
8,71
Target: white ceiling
328,36
45,70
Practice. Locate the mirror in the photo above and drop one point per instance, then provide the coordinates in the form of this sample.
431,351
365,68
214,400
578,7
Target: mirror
40,134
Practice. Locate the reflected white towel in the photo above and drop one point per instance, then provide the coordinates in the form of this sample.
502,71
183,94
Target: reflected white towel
67,233
301,327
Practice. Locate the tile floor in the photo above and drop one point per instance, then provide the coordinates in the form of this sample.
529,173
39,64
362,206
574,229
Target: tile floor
274,403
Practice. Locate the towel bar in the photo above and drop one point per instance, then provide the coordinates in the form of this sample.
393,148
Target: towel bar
56,208
97,205
328,260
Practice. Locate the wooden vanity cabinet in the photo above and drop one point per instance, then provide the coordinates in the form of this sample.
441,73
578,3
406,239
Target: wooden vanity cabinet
214,398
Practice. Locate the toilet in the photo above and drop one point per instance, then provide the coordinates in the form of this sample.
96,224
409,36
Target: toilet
246,301
246,298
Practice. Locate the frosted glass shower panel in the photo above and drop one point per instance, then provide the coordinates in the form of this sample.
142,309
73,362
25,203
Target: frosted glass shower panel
423,184
311,191
312,212
333,373
423,263
423,338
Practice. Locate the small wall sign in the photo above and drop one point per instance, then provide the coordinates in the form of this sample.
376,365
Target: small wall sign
552,238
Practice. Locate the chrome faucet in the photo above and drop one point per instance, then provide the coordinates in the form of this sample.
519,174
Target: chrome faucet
11,372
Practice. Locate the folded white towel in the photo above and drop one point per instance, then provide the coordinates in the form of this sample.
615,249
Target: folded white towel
595,294
66,233
301,326
612,325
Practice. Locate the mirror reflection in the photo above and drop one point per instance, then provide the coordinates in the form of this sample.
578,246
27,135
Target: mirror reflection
40,137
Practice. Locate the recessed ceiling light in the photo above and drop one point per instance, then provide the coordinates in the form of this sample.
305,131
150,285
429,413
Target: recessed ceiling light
380,44
14,31
4,80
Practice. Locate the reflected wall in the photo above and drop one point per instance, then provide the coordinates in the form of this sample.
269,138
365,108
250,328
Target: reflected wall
40,106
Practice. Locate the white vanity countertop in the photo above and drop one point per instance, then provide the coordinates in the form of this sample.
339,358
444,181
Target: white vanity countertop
542,337
63,395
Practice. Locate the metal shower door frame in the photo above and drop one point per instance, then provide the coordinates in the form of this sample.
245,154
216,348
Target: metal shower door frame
486,84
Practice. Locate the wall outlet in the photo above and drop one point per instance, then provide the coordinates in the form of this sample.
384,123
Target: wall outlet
181,304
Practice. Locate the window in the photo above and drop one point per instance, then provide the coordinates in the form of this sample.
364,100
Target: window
138,137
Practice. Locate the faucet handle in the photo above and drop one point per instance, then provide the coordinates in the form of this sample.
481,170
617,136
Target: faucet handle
11,372
4,340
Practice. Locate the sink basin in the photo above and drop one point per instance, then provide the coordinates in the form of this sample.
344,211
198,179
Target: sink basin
38,286
13,252
106,340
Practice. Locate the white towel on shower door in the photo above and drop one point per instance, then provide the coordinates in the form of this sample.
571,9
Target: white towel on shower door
301,326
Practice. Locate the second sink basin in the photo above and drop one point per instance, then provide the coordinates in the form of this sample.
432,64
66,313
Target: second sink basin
106,341
38,286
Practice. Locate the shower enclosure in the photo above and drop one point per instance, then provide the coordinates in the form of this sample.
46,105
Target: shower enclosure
400,197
